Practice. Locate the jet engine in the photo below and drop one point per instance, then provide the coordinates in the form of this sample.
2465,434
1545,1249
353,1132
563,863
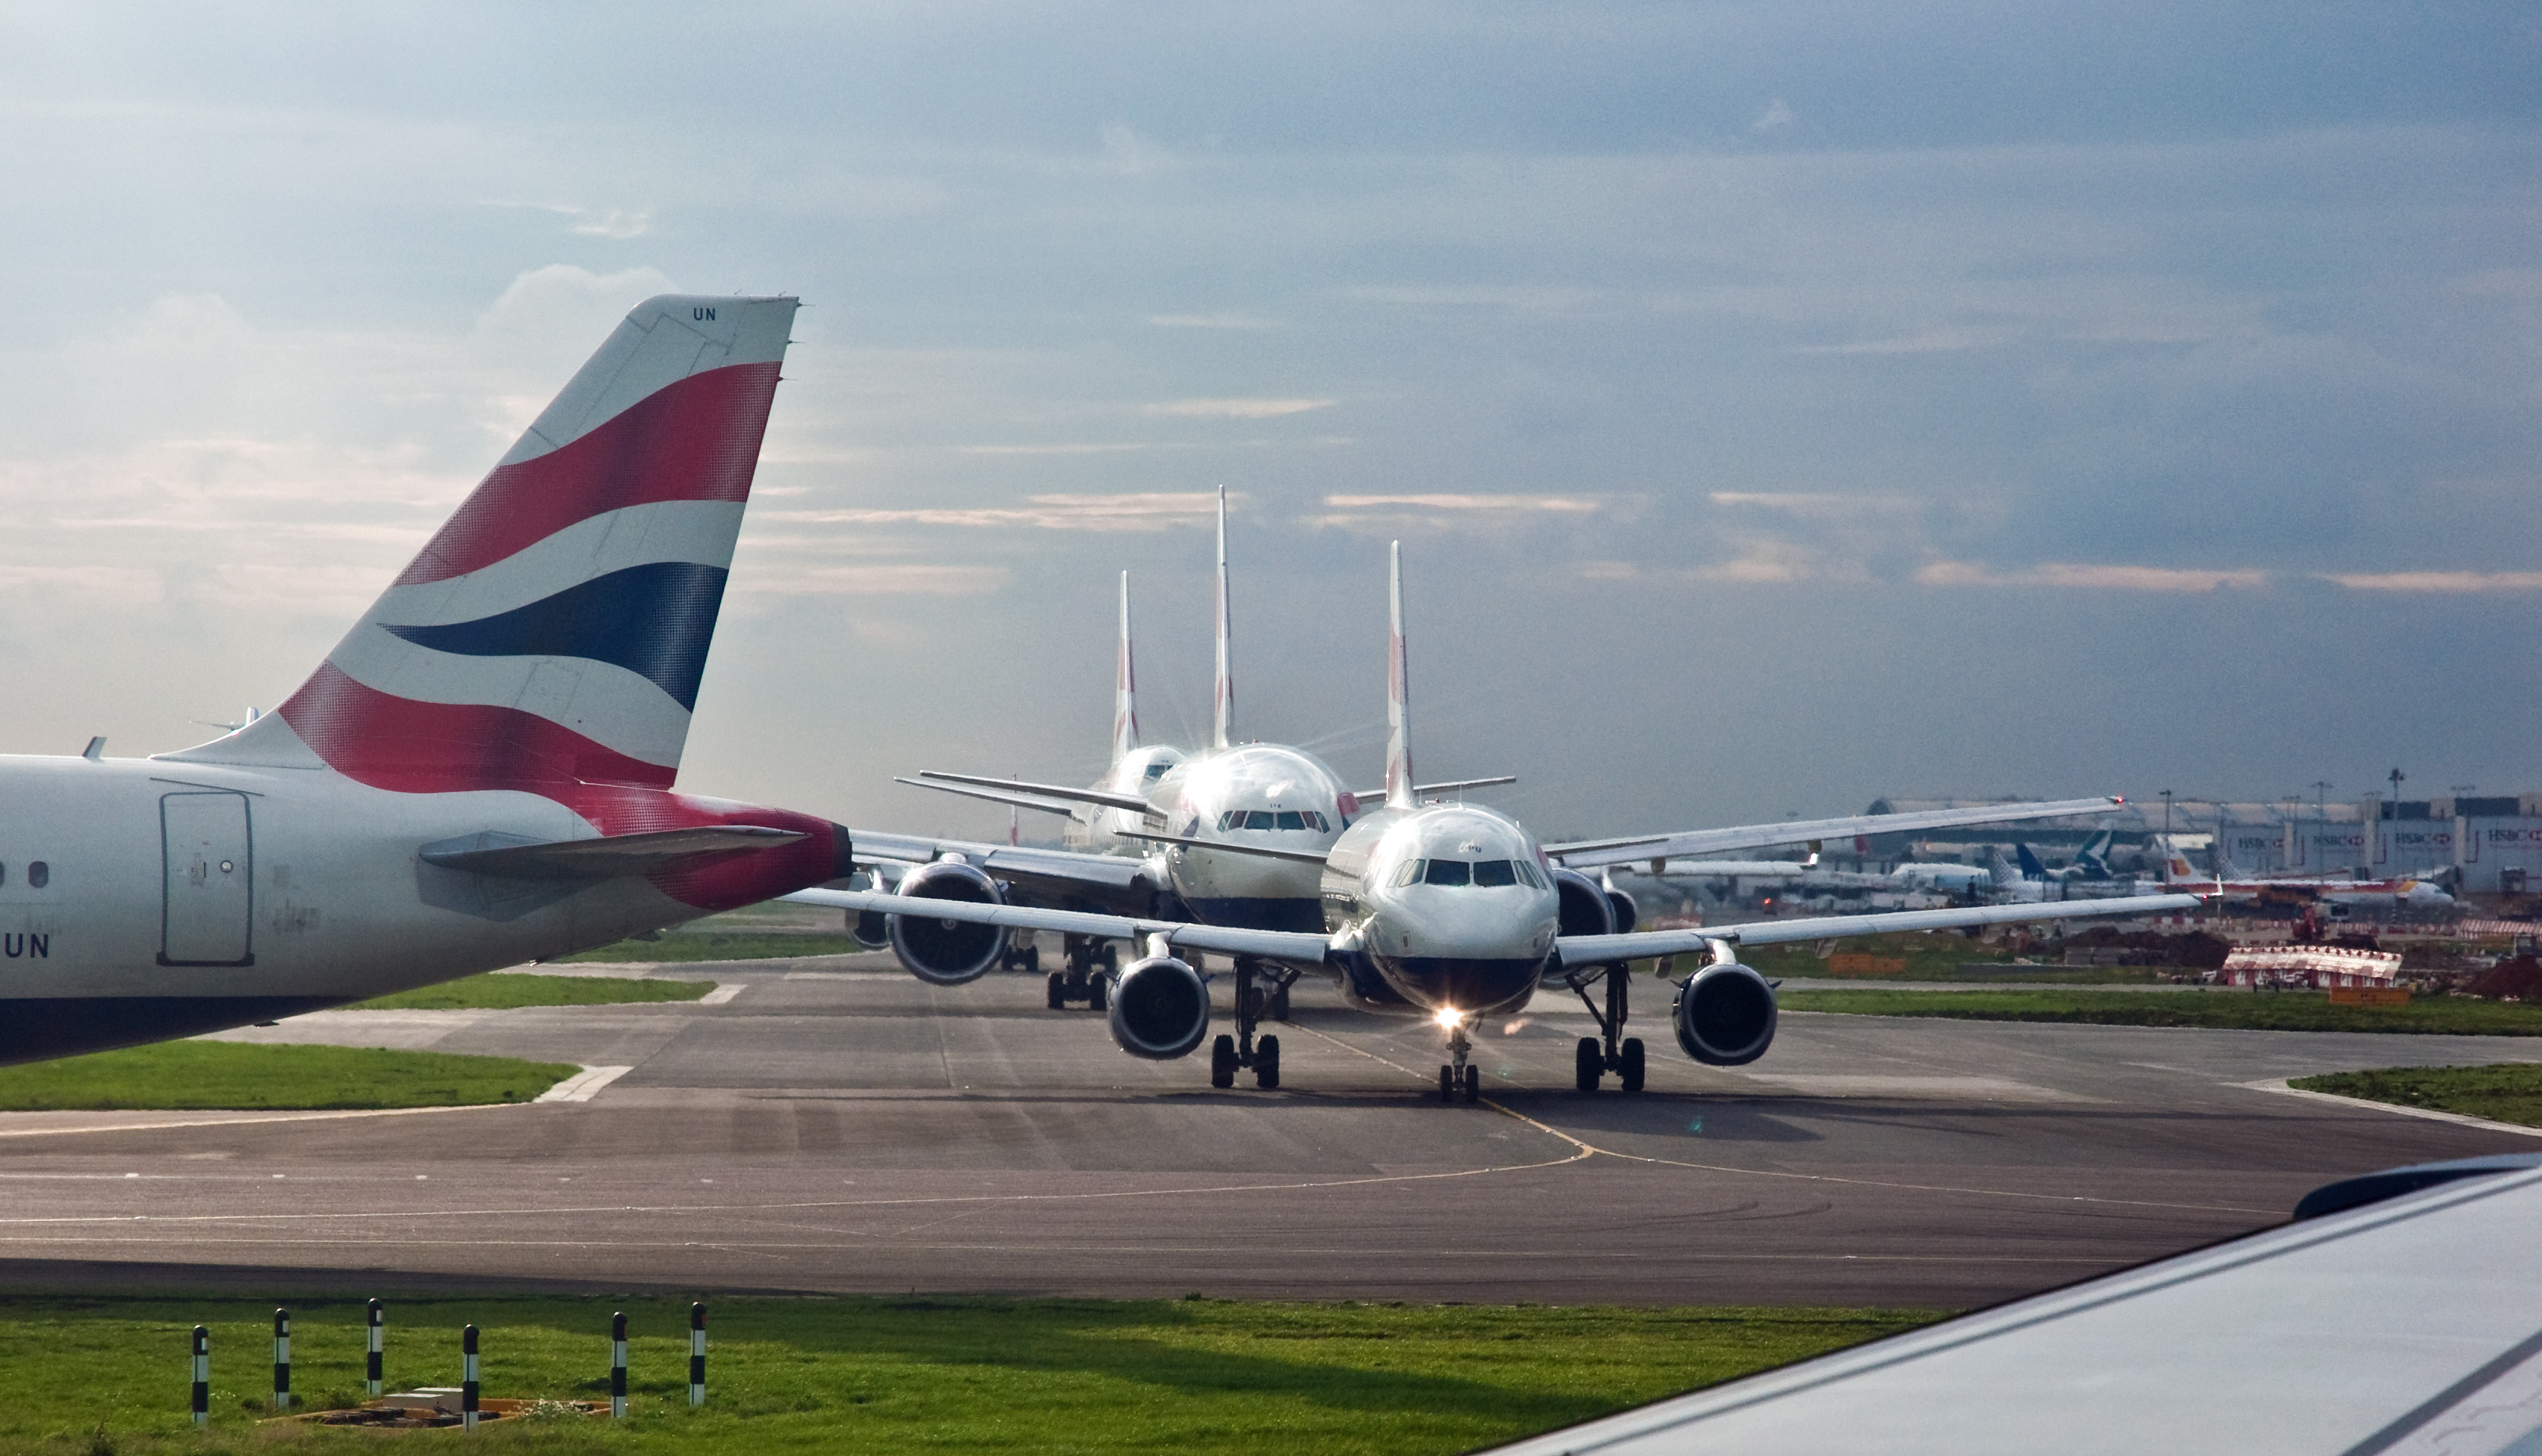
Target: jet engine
1626,913
947,952
1585,908
1160,1009
1725,1015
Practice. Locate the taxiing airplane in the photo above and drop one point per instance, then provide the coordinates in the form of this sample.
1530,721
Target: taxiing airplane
2335,889
478,775
1457,913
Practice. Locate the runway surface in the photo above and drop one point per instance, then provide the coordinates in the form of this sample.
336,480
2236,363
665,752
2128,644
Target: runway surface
835,1126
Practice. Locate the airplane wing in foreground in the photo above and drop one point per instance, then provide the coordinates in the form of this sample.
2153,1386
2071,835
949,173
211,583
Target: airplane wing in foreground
2401,1325
1590,853
1589,949
1290,946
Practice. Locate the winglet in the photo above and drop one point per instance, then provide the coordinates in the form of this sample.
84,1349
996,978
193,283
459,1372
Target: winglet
1398,712
1224,713
1125,687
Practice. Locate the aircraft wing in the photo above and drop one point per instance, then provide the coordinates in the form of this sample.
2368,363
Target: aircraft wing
994,796
1052,871
1282,945
1590,853
1591,950
2404,1324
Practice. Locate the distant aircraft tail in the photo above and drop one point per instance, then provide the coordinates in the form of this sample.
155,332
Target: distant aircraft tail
1223,695
1398,708
2031,869
1125,687
2000,864
556,629
2175,869
2094,858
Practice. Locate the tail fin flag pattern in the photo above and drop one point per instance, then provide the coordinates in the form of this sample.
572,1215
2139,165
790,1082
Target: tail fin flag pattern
556,629
1125,687
1398,710
1223,712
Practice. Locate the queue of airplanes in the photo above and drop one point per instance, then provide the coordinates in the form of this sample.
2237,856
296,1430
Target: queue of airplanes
480,773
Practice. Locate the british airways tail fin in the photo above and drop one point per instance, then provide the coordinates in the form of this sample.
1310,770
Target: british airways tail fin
1125,687
1399,792
556,629
1223,695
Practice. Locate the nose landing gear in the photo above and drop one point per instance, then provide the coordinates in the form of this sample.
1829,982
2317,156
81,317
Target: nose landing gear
1459,1076
1611,1050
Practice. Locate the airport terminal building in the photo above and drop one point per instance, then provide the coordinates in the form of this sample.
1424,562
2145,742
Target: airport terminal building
2494,842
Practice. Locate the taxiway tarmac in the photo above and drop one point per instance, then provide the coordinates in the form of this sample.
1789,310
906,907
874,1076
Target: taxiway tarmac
834,1125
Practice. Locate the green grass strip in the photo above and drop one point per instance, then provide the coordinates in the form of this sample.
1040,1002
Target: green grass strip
250,1075
2229,1009
501,989
725,945
2503,1094
878,1376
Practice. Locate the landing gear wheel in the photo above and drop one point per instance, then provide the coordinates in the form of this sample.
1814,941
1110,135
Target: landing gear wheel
1097,994
1266,1063
1447,1083
1474,1083
1057,992
1222,1062
1277,1010
1032,960
1587,1065
1111,958
1633,1072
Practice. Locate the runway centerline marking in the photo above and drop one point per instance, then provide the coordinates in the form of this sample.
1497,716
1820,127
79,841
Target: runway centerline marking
1589,1149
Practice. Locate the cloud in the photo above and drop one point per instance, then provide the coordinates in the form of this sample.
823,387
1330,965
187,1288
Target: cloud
1212,320
891,580
1562,503
1930,341
1447,511
1154,511
1238,409
1776,117
2098,577
2441,581
1819,505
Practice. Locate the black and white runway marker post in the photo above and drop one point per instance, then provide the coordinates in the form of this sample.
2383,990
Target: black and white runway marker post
281,1361
617,1367
202,1377
468,1378
698,1355
371,1367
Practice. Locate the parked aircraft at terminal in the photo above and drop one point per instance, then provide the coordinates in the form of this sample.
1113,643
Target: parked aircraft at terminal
478,775
1457,913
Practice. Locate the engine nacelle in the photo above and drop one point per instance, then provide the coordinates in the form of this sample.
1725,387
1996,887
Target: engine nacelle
1725,1015
1626,913
1585,908
947,952
1160,1009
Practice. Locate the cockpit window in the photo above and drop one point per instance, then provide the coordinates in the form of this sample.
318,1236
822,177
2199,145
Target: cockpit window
1448,872
1527,871
1154,771
1410,872
1494,872
1289,818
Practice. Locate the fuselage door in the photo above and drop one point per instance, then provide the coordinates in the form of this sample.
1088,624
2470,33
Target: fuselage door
204,837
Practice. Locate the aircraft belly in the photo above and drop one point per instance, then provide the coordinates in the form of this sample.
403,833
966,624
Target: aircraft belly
1481,985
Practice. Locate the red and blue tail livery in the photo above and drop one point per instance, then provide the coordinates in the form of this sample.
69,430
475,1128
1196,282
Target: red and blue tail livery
478,775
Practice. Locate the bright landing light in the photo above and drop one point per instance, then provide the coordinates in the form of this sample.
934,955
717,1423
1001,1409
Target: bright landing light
1451,1018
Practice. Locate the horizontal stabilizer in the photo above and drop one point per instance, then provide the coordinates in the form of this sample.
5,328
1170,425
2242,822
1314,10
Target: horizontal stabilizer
1109,800
507,857
1452,786
1294,946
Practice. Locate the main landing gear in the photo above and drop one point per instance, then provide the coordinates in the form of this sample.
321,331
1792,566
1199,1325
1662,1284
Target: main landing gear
1255,1002
1089,963
1459,1075
1610,1050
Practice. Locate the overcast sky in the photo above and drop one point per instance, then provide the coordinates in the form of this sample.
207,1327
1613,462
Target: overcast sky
1781,404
